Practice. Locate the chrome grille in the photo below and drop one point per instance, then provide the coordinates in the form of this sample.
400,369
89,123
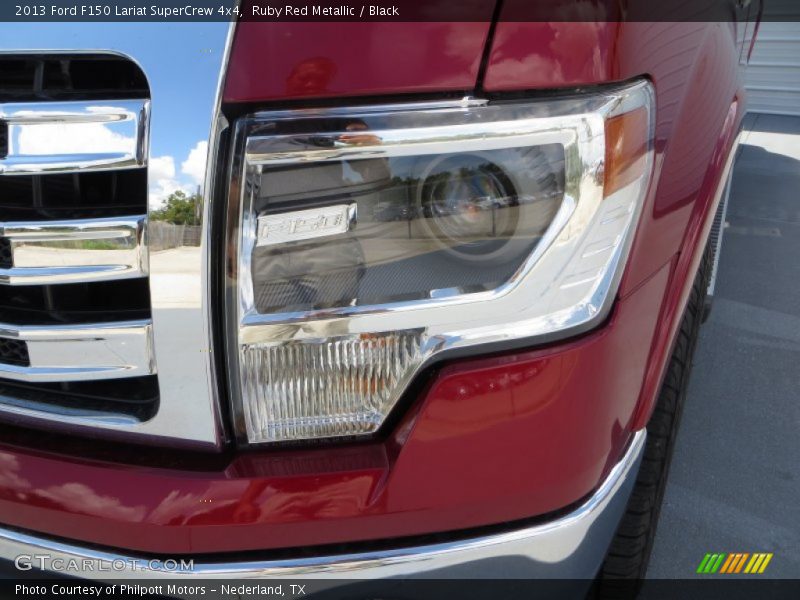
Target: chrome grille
74,293
14,352
70,76
77,250
73,195
66,137
5,253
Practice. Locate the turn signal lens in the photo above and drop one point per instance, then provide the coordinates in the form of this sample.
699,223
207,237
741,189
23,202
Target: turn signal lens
627,139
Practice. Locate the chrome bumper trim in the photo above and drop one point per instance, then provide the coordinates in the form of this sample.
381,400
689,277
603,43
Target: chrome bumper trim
572,546
68,137
82,352
51,252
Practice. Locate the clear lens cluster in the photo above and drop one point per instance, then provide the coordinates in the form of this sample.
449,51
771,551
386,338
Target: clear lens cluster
365,243
341,387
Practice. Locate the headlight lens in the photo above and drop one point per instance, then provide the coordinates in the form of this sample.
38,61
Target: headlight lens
364,243
399,228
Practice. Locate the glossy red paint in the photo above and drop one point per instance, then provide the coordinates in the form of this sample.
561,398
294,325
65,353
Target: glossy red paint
547,55
693,68
494,440
280,61
687,264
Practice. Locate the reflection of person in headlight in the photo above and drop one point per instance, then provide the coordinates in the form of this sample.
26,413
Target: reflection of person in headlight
322,272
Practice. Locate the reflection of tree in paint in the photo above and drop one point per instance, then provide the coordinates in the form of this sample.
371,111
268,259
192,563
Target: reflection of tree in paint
310,77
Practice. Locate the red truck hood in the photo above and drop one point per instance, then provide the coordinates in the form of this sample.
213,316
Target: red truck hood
287,60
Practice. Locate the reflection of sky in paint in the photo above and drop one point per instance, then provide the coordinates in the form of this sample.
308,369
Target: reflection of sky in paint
182,64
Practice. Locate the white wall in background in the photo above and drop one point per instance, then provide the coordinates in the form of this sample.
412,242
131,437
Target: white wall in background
772,78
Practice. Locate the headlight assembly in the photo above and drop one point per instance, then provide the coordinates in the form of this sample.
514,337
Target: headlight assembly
363,243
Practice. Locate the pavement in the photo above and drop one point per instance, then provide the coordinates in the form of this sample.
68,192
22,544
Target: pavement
735,479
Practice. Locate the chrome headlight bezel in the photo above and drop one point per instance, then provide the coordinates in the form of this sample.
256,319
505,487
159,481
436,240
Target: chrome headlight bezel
566,286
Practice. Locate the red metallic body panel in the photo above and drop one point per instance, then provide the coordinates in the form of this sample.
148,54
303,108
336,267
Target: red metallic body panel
279,61
687,263
693,67
699,108
494,440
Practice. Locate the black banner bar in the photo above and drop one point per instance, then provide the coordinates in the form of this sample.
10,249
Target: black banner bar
396,10
721,587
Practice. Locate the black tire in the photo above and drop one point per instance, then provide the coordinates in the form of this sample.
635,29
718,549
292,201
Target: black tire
625,564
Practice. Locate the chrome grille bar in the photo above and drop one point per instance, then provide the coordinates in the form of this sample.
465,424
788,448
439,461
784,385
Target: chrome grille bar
52,252
82,352
67,137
